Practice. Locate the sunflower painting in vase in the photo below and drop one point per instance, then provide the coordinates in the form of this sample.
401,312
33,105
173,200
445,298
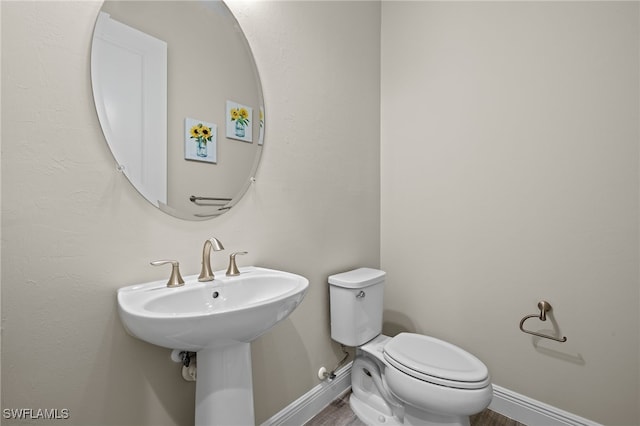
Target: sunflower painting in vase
239,121
200,140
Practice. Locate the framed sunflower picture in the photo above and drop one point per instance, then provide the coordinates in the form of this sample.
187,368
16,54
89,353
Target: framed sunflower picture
200,141
239,122
261,123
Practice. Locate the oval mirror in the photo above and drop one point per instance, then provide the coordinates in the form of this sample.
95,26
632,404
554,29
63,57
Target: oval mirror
180,103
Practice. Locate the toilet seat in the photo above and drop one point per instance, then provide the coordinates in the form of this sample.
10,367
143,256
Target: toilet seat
435,361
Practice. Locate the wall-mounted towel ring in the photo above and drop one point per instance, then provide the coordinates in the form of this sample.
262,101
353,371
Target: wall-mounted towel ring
544,307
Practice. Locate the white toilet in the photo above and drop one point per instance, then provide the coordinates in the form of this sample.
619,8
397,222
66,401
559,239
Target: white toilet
409,379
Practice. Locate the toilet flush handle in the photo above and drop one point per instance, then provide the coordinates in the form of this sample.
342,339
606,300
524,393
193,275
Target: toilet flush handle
361,295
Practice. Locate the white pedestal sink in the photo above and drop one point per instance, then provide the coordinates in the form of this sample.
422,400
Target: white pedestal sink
216,319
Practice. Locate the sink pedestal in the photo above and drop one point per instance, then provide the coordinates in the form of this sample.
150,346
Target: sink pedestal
224,387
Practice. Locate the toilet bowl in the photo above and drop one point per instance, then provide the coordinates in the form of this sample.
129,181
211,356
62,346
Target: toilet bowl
409,379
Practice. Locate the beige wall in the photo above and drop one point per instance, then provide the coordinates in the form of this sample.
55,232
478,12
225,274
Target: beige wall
509,147
1,326
73,229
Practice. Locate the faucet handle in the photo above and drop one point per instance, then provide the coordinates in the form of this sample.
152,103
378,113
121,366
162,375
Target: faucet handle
232,270
175,280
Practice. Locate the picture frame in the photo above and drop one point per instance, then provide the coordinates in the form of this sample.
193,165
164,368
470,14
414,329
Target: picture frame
239,122
200,141
261,129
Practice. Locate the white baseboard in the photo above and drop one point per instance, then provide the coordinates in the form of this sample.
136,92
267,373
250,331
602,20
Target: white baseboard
518,407
308,405
532,412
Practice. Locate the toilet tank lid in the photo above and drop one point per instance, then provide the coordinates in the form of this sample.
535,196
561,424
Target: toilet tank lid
358,278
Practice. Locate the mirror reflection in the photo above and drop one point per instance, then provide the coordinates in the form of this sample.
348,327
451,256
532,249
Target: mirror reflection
180,102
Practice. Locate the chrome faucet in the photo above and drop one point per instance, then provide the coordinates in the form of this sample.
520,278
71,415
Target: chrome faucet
206,274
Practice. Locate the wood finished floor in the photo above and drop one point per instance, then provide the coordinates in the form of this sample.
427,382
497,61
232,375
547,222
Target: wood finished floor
338,413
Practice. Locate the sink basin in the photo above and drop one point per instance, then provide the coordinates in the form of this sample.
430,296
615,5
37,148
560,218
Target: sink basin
217,320
221,312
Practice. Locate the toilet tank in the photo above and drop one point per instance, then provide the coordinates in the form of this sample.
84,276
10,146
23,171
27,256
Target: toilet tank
356,305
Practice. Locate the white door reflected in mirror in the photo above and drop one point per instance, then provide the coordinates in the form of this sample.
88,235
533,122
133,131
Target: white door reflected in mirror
130,92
